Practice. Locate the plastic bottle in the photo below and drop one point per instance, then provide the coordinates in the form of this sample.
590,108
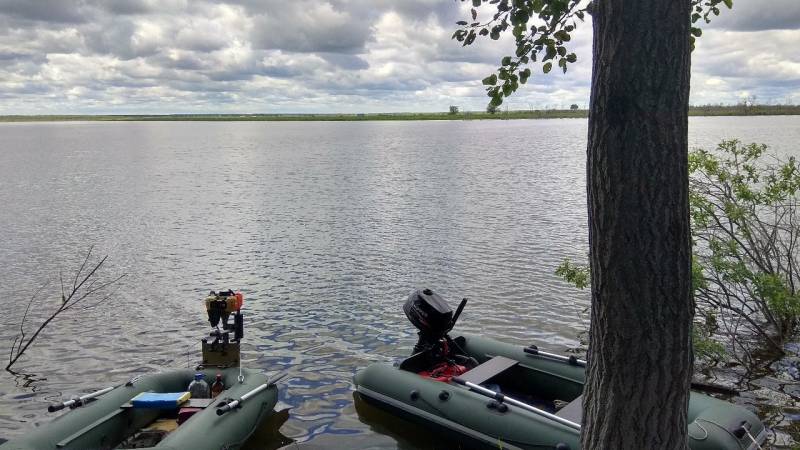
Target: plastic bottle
217,387
199,388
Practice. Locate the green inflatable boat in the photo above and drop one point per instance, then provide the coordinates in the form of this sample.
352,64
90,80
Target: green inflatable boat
491,394
112,421
168,410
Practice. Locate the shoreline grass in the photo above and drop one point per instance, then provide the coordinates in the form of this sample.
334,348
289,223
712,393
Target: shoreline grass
737,110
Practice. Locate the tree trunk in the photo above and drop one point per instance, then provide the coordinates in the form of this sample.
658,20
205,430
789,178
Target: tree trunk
640,358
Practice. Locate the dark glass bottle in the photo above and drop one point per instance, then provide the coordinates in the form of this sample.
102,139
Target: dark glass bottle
218,386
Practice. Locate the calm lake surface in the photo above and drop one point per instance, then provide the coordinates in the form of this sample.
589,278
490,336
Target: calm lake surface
325,226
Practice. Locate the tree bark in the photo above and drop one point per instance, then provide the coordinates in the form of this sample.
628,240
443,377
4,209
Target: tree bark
640,358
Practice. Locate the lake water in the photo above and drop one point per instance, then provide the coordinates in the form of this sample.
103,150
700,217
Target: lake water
325,226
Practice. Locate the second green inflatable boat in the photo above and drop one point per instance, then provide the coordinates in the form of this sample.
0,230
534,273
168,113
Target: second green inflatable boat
491,394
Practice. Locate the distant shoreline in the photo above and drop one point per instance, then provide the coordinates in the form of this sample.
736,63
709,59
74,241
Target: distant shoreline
738,110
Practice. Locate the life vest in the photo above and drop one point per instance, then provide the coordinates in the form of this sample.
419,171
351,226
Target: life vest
444,371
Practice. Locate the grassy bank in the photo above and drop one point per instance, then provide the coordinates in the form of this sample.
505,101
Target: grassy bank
738,110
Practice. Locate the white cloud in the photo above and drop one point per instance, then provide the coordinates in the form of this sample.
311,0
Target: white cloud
166,56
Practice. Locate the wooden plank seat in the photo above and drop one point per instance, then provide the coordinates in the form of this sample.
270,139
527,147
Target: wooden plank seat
489,369
191,403
573,411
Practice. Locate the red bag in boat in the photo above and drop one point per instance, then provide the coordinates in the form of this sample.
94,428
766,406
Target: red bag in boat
444,371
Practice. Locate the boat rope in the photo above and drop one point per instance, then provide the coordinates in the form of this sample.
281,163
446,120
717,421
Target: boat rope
729,432
704,431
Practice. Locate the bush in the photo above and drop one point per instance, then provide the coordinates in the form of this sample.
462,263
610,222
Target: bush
746,232
746,248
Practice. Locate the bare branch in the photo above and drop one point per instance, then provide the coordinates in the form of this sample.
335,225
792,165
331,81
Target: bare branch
83,287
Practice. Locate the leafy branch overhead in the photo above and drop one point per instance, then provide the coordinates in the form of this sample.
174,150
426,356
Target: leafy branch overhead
542,31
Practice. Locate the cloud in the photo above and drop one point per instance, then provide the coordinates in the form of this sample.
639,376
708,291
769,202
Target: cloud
55,11
309,26
170,56
759,15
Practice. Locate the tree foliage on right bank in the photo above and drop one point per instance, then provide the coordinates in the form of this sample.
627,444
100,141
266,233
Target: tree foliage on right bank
746,232
746,258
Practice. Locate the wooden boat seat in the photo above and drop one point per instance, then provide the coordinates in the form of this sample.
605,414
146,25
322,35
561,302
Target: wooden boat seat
191,403
489,369
573,411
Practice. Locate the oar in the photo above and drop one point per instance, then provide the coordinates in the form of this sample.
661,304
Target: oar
238,403
572,360
511,401
75,402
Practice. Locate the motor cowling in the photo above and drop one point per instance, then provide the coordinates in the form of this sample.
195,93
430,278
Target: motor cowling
429,313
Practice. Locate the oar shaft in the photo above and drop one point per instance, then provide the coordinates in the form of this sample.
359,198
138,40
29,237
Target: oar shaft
534,351
78,401
512,401
237,403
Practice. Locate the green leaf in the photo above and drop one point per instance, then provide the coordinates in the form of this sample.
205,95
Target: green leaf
470,38
524,75
579,276
506,61
491,80
519,16
546,68
561,35
550,53
728,3
476,3
697,32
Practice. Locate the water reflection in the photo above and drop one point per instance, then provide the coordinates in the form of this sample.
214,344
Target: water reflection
326,227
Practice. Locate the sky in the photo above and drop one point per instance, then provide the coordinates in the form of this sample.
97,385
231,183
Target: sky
327,56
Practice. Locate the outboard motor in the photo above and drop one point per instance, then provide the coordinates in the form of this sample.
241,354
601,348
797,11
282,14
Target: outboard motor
434,318
223,349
